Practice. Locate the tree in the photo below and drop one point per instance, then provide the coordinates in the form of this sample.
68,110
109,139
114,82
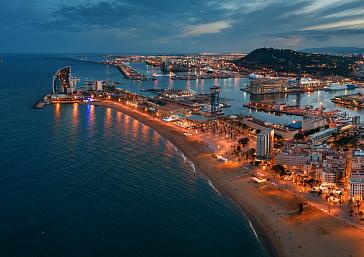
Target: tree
357,205
279,169
244,141
351,212
278,141
310,181
251,152
238,149
277,136
299,136
341,197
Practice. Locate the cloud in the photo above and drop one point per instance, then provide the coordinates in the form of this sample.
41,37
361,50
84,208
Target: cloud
206,28
182,25
345,13
345,24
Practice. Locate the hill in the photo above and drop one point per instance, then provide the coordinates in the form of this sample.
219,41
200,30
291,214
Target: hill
286,60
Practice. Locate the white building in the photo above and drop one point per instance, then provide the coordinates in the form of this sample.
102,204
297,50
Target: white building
357,175
265,143
99,85
313,123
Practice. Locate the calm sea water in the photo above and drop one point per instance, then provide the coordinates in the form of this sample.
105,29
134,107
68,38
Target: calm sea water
81,180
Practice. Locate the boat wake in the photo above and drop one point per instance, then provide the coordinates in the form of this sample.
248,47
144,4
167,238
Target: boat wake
213,187
184,157
193,167
252,228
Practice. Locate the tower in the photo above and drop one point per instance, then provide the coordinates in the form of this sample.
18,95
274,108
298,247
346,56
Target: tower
265,143
215,100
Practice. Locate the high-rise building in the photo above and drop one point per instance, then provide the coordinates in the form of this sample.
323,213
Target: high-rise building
265,143
215,101
62,81
356,120
357,175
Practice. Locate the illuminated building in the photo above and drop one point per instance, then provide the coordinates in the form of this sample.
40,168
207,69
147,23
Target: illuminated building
62,82
265,143
357,175
215,101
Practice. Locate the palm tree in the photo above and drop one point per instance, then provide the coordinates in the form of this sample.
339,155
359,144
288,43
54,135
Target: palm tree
341,196
244,141
357,205
361,215
251,152
351,212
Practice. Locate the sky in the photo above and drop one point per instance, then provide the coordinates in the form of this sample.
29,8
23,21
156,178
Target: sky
177,26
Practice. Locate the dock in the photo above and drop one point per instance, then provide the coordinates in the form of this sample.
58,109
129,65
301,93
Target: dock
279,108
353,100
41,103
129,72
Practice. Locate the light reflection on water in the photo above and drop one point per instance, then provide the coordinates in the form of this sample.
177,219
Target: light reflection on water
85,192
230,88
75,113
57,113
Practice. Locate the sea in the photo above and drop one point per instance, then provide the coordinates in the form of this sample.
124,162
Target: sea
88,181
84,181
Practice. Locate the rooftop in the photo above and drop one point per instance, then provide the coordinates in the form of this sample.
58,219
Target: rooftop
358,153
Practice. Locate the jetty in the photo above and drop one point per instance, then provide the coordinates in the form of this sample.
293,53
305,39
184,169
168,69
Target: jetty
353,100
41,103
129,72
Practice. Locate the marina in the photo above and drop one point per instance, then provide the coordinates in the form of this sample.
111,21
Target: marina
191,112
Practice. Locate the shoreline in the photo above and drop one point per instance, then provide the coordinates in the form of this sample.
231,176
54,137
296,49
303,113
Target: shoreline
272,212
266,242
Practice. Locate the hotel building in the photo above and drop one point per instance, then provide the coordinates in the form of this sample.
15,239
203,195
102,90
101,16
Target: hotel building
265,143
357,175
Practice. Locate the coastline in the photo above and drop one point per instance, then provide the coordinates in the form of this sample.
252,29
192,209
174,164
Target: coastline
280,230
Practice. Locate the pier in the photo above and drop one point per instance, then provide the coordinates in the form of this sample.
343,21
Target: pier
354,100
129,72
278,108
41,103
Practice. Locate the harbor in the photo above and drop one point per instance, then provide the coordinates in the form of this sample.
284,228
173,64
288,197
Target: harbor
183,128
178,114
352,100
130,73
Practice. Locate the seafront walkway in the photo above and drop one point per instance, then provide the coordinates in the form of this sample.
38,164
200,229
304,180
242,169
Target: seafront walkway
222,145
338,211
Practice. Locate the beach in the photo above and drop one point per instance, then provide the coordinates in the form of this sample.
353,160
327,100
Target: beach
272,212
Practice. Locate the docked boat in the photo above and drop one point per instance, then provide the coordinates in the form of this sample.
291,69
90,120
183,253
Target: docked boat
255,76
351,86
338,87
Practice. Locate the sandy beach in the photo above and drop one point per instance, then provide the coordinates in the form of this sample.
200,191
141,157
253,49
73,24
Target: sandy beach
272,212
